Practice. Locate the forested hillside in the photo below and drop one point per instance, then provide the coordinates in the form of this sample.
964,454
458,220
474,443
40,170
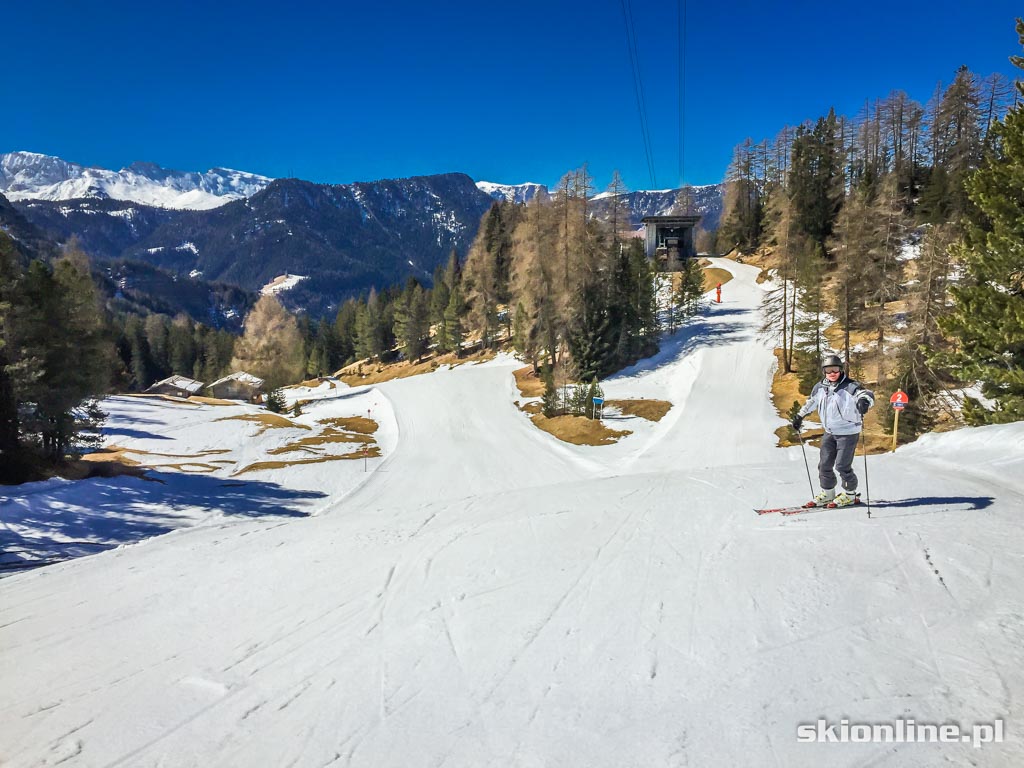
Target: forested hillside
891,236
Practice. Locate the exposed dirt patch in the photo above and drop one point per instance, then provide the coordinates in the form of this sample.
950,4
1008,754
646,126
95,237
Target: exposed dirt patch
652,410
579,430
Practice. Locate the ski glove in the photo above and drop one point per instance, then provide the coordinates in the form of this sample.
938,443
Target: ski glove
798,422
862,406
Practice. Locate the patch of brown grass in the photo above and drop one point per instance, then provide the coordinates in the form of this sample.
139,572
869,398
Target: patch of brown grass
529,384
715,275
578,430
371,452
535,406
329,436
360,424
266,421
652,410
363,372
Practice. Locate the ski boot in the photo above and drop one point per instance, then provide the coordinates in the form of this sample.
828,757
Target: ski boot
845,499
823,499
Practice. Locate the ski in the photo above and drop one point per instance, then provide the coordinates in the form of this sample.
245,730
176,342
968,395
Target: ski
785,510
801,508
816,508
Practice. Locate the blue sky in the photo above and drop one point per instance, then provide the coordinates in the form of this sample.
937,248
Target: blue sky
521,91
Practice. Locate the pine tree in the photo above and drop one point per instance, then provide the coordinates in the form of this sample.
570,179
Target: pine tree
412,322
11,469
345,331
551,405
66,354
139,358
815,181
157,337
927,303
741,205
987,320
275,401
453,315
369,328
181,345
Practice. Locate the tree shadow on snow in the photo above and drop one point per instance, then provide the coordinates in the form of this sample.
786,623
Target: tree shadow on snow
93,515
126,432
705,330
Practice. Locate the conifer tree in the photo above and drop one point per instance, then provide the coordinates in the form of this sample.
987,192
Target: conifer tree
987,320
369,328
157,337
412,322
10,455
815,181
68,355
140,365
275,401
181,345
453,316
741,204
927,303
345,331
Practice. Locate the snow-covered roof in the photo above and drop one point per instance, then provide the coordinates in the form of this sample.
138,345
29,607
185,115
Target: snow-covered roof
242,376
181,382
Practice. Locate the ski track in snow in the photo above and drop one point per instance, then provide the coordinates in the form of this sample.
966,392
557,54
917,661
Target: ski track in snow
489,596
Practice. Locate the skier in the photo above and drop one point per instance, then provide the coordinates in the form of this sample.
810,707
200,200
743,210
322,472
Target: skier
841,404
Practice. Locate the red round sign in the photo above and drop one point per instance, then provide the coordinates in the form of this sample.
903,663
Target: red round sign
899,399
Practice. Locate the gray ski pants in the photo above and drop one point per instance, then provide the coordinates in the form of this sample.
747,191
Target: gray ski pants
837,450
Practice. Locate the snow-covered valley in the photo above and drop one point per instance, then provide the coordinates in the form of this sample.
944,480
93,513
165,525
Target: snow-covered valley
486,595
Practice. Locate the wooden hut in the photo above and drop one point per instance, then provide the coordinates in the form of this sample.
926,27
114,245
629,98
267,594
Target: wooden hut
238,386
176,385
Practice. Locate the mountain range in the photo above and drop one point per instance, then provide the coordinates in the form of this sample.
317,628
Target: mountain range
31,176
245,230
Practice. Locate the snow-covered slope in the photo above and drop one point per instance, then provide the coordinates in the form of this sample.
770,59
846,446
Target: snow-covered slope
31,176
489,596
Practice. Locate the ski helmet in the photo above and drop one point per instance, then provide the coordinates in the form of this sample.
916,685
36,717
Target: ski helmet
832,360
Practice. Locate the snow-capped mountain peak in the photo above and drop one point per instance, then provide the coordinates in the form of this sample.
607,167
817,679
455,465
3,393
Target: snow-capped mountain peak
33,176
513,193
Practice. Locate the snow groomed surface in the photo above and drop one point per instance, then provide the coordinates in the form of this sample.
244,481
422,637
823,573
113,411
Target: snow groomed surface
489,596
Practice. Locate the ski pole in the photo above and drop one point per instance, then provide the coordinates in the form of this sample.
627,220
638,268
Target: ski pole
867,485
806,465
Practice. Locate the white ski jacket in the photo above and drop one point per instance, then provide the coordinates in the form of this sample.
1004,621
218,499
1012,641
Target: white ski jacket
836,405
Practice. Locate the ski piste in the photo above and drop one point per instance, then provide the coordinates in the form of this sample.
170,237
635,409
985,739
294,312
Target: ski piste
808,507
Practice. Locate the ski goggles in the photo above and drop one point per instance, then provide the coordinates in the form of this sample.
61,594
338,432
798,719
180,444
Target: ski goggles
832,369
